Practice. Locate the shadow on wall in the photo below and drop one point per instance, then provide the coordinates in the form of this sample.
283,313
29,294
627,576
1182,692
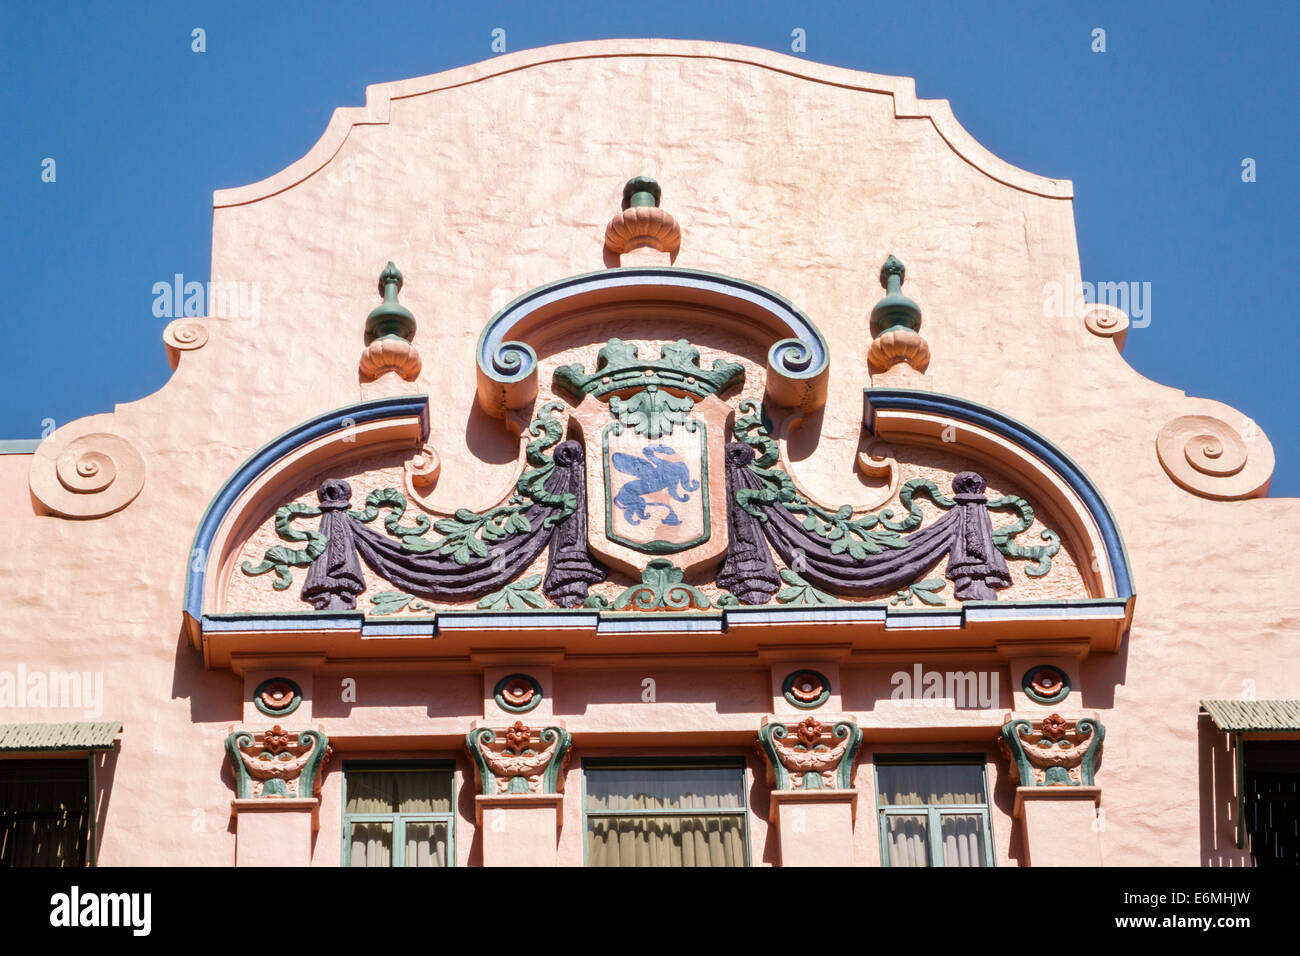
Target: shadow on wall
216,697
1218,793
105,769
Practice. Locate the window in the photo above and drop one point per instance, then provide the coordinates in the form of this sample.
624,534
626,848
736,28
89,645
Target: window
665,813
398,814
44,812
933,810
1271,786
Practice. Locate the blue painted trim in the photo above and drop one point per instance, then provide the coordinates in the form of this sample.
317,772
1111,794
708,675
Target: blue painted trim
630,622
295,621
802,356
973,413
19,446
379,409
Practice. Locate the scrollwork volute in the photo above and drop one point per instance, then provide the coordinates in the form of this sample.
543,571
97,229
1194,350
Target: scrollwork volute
1209,457
183,335
1108,322
278,763
88,476
1053,751
519,759
810,755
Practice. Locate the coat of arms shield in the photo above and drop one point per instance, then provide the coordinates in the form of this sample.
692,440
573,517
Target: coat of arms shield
655,435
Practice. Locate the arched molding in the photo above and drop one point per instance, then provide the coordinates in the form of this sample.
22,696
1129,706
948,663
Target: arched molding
1049,475
798,359
263,480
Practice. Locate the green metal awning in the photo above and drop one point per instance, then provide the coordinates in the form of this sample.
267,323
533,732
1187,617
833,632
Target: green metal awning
1253,716
58,737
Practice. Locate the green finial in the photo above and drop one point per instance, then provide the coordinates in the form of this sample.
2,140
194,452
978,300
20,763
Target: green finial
641,191
895,310
390,319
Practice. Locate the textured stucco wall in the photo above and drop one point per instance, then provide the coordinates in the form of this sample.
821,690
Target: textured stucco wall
487,181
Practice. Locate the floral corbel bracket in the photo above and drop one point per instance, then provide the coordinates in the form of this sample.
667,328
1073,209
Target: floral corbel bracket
519,759
811,755
1053,751
278,762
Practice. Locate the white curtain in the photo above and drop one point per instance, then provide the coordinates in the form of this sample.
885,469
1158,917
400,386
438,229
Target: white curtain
963,839
932,785
675,840
399,791
630,838
900,785
426,844
372,844
909,841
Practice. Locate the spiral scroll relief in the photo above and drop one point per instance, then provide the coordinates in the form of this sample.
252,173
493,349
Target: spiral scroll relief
1107,321
86,477
183,335
1209,457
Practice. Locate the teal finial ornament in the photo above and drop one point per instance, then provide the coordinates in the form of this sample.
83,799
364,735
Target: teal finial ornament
390,319
641,191
895,311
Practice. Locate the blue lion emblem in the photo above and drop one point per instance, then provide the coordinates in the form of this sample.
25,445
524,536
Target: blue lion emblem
651,474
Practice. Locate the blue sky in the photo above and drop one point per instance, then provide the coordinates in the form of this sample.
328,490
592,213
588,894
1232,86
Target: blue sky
1152,132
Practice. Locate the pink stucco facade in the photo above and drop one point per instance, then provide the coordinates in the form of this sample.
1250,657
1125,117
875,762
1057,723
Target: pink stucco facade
129,532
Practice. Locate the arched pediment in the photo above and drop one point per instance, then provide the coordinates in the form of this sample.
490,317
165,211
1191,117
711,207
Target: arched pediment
391,424
933,420
654,498
797,360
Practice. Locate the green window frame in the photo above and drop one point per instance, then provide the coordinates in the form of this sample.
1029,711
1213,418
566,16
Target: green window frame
651,764
934,812
399,821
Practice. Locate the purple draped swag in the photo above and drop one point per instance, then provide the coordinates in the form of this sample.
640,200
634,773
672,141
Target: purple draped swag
334,579
964,534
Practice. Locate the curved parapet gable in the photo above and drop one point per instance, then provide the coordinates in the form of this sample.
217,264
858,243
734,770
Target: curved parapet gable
905,415
798,361
373,426
902,90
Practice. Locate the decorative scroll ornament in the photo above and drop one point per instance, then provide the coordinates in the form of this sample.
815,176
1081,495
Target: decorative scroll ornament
845,553
88,476
820,755
390,330
1053,751
661,589
472,555
278,763
642,222
895,325
656,491
423,470
519,759
183,335
798,361
1107,321
1210,458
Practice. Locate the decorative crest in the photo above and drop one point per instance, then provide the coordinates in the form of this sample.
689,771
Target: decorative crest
619,367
